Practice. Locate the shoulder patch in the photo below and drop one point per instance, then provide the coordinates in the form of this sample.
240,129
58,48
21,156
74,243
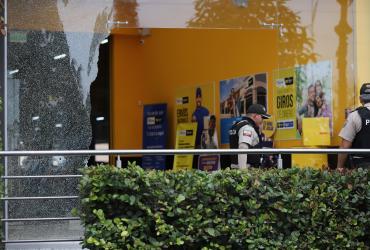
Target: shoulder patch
247,133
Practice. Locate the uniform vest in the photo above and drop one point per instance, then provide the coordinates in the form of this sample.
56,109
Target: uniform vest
362,138
252,159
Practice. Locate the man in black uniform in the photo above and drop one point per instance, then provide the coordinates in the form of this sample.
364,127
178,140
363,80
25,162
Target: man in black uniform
356,131
246,134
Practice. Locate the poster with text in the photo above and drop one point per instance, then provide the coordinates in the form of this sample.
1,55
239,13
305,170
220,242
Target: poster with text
236,95
193,103
314,92
154,134
185,139
284,89
209,140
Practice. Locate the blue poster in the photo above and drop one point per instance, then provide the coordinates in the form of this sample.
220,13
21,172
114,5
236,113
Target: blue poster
154,134
209,162
236,95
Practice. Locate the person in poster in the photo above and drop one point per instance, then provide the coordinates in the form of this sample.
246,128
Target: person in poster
231,104
209,136
309,108
209,140
198,116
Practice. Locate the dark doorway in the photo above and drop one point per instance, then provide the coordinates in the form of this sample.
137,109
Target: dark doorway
99,97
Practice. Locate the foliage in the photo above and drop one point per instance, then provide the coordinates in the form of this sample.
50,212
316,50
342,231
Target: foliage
277,209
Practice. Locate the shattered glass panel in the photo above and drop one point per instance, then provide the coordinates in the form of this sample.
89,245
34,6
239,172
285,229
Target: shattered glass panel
53,50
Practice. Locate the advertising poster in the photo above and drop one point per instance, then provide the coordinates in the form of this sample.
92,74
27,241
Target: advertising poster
269,127
284,89
316,131
185,139
209,140
193,104
236,95
209,162
314,92
154,134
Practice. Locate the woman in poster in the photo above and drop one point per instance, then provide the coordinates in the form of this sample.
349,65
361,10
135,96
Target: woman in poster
209,136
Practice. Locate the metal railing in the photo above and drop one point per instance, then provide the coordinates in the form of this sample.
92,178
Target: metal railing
128,153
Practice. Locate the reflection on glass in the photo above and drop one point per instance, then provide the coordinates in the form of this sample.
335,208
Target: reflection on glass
53,49
325,33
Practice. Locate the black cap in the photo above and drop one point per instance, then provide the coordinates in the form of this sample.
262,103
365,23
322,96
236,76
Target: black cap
258,109
198,92
365,91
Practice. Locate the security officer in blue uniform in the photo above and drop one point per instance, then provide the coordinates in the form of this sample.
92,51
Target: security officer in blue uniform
356,132
246,134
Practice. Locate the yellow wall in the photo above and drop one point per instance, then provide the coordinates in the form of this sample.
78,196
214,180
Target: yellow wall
150,72
362,42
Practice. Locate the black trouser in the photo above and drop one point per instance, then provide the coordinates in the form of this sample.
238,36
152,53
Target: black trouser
359,162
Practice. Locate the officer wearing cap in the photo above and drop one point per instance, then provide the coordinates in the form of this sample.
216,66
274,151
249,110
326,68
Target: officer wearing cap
246,134
356,131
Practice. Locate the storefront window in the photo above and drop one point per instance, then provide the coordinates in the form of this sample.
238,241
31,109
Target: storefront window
157,48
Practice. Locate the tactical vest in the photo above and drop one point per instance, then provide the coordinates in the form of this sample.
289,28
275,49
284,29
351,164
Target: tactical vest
252,159
362,138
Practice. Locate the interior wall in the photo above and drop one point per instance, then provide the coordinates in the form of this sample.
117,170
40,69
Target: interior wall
150,69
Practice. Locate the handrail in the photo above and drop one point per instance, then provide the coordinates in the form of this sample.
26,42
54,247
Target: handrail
42,241
185,151
41,176
41,219
40,198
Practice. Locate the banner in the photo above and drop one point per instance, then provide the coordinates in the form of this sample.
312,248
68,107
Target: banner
314,92
301,92
193,104
185,139
236,95
154,134
209,140
209,162
284,89
269,127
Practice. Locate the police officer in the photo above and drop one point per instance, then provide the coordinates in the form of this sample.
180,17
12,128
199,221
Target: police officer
356,131
246,134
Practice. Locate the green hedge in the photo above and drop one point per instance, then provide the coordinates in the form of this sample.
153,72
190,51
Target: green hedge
230,209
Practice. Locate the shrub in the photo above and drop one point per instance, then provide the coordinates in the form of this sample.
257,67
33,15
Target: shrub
276,209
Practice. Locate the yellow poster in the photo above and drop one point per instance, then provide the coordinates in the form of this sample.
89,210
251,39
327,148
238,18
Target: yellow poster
316,131
193,104
185,139
284,85
268,127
